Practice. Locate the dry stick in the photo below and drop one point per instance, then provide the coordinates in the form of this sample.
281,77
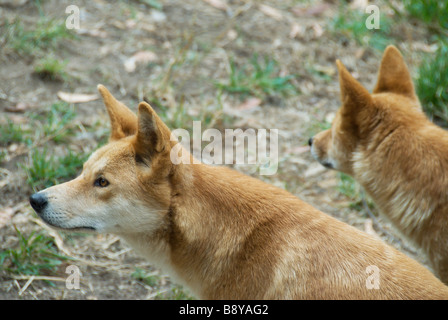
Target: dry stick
27,284
33,277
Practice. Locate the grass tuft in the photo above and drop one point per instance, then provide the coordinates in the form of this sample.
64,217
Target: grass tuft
45,35
51,68
45,170
351,189
351,24
432,12
11,132
260,78
432,84
149,279
34,254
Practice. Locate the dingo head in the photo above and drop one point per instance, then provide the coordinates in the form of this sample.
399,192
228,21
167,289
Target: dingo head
365,119
124,186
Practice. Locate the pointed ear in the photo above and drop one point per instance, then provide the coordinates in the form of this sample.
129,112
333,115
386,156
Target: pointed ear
153,136
353,95
123,121
394,75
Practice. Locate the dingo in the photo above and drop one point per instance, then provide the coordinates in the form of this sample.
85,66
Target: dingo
221,233
385,141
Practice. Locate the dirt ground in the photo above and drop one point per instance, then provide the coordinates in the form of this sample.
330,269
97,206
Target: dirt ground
180,51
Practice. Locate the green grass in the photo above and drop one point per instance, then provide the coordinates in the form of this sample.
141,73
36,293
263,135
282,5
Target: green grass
432,83
259,78
3,154
45,170
176,292
34,254
153,4
351,189
351,24
53,124
57,120
41,37
51,68
432,12
432,78
11,132
149,279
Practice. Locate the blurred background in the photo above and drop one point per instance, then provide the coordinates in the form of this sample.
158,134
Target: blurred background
228,63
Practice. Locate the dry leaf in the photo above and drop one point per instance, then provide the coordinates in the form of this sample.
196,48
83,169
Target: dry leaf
271,12
313,170
144,56
420,46
13,3
330,117
19,107
359,4
328,183
218,4
300,149
17,119
76,97
328,70
157,16
140,57
296,30
318,30
359,54
249,104
315,10
93,33
232,35
130,23
5,216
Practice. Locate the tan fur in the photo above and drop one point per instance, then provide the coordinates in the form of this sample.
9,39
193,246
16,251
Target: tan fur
221,233
388,145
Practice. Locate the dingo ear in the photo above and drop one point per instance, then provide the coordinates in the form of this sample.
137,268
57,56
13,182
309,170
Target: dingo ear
353,95
152,135
394,75
123,121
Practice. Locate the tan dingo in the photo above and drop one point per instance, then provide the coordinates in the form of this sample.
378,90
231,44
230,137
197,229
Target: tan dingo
385,141
223,234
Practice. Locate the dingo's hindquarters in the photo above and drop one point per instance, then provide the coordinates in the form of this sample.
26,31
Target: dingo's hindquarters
221,233
385,141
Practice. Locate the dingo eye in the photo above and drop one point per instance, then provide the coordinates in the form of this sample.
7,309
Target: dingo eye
101,182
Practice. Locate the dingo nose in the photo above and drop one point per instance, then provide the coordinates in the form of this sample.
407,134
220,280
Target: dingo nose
310,142
38,201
